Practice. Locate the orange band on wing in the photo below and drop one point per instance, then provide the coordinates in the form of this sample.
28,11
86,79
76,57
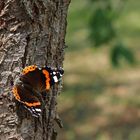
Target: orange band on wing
28,69
47,76
32,104
15,92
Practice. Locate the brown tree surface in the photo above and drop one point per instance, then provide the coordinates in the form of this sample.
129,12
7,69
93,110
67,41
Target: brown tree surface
31,32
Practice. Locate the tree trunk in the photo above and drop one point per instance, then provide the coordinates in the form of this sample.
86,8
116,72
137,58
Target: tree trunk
31,32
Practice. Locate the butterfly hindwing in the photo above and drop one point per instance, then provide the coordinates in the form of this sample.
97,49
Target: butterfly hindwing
35,111
27,96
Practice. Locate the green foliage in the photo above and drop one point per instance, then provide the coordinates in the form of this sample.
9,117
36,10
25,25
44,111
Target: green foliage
120,52
102,31
101,28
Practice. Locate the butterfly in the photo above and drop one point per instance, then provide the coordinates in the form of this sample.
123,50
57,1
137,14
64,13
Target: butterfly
33,81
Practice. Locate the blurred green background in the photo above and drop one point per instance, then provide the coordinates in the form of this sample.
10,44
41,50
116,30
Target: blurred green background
101,93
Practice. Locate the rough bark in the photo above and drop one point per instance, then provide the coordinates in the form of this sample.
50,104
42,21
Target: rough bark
31,32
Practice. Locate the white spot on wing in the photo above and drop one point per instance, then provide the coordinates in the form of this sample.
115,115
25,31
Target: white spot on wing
55,79
54,73
37,109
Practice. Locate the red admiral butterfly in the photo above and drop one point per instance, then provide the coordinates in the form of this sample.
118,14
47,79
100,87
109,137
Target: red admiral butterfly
32,81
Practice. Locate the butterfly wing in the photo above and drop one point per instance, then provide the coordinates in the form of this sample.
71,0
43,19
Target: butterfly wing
34,77
33,81
26,96
55,75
